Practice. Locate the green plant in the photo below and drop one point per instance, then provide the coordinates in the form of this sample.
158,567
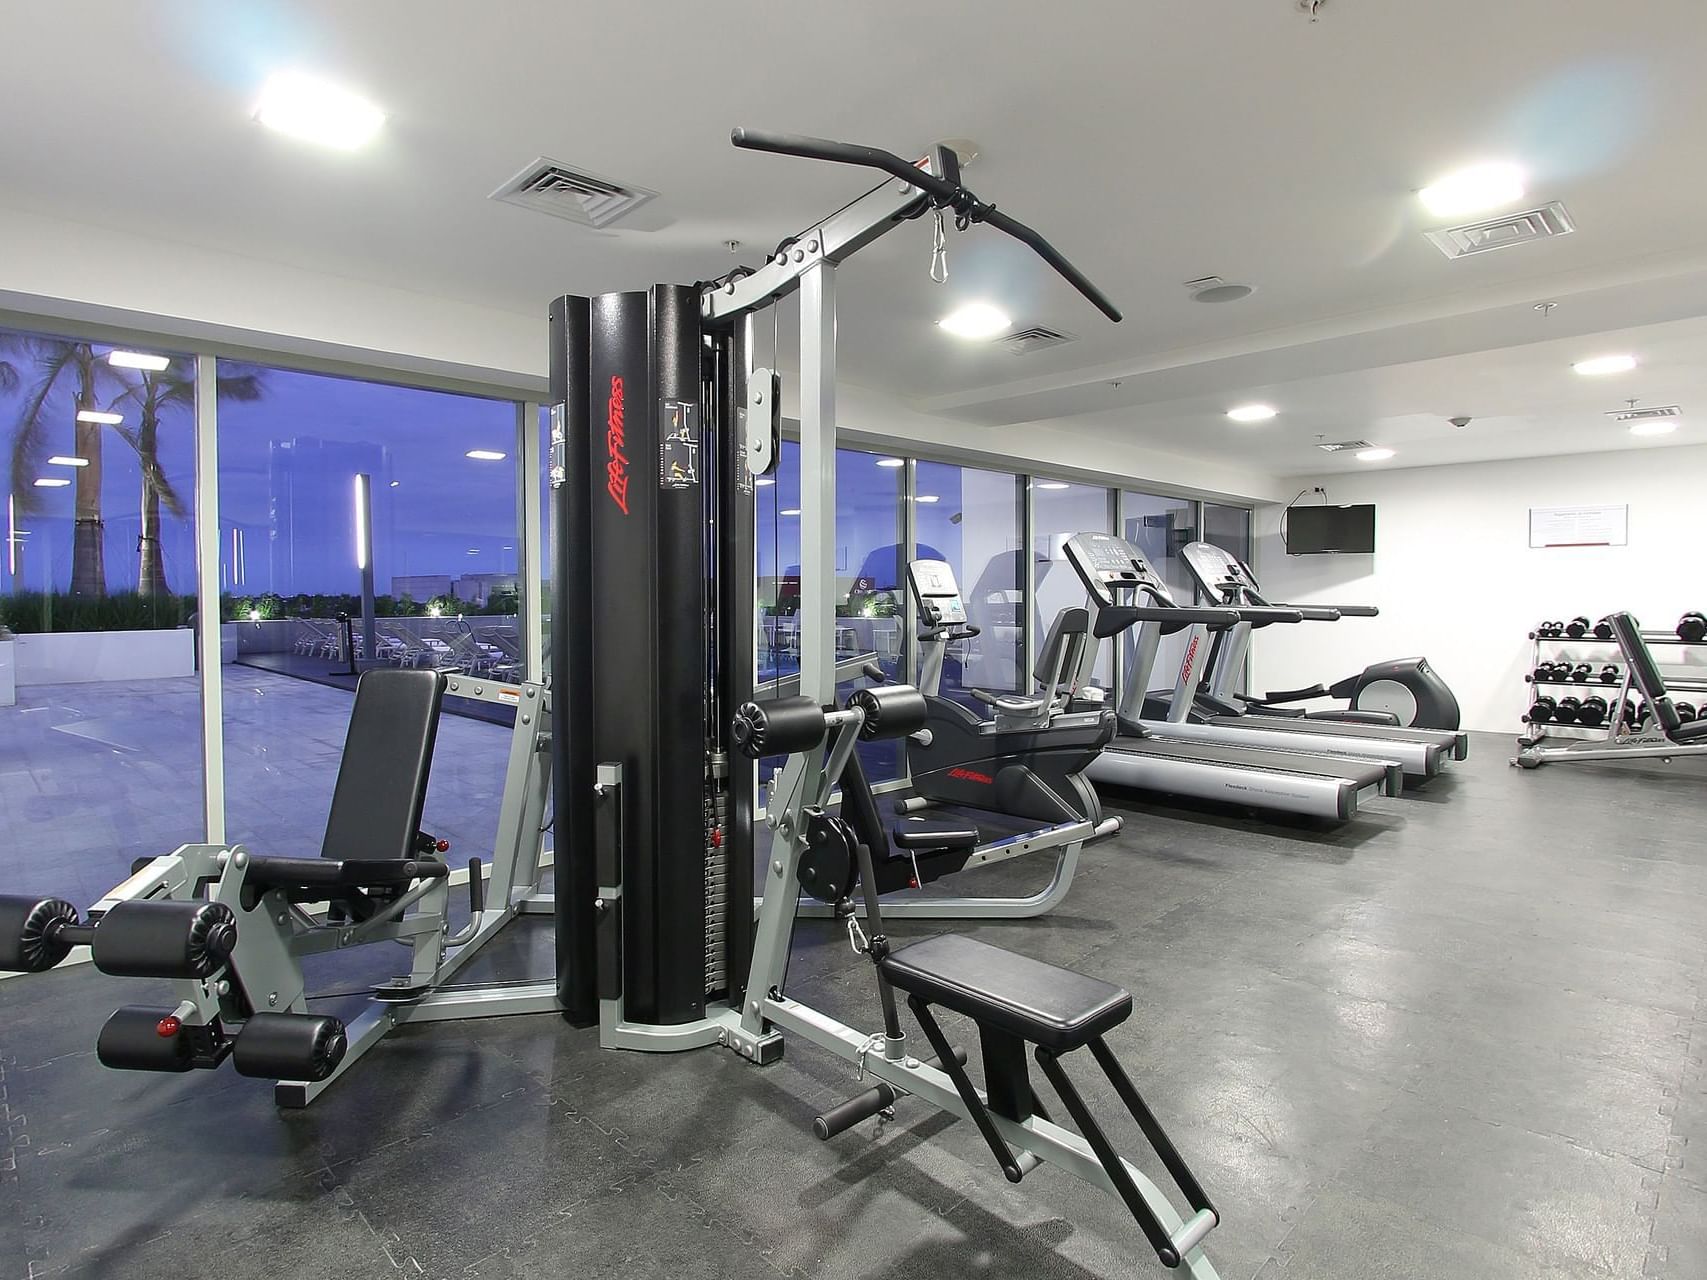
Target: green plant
35,612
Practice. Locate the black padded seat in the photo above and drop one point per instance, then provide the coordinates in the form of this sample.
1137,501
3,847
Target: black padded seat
1688,732
934,835
1043,1003
354,873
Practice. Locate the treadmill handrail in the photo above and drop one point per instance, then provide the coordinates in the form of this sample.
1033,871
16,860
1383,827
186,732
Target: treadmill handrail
1263,615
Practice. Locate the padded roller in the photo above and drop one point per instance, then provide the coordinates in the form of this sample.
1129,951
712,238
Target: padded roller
290,1046
29,933
141,939
779,727
136,1038
891,710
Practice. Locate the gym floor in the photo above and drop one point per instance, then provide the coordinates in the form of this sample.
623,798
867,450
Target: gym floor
1460,1037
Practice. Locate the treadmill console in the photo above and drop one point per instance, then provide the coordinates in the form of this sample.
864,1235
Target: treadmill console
1220,573
936,594
1107,564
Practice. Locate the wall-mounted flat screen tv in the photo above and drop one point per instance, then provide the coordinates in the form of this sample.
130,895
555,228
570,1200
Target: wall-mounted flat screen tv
1312,531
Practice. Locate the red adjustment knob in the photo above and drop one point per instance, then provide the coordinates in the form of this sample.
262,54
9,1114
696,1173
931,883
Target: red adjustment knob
717,837
443,846
168,1026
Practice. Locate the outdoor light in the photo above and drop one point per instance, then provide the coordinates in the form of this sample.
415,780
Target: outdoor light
485,455
49,482
137,360
395,483
361,523
254,615
1482,186
891,462
12,535
315,111
1252,413
929,497
975,320
59,461
1602,365
433,610
95,415
792,511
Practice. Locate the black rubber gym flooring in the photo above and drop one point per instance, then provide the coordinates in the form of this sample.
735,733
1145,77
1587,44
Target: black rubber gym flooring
1460,1038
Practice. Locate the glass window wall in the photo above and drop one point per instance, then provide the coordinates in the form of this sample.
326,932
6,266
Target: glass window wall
1059,510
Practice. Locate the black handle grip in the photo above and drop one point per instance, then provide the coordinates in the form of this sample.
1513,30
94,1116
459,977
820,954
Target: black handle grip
874,672
1267,615
963,201
476,887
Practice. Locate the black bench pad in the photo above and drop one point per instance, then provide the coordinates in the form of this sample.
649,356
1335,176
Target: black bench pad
934,835
1690,732
1042,1003
268,872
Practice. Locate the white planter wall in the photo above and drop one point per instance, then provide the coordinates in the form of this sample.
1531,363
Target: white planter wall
82,657
8,673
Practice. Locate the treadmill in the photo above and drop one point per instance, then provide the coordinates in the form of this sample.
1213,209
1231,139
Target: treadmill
1208,699
1182,759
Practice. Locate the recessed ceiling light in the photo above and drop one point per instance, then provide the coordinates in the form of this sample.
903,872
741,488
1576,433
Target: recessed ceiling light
137,360
1053,484
792,511
95,415
1252,413
58,461
1482,186
975,320
48,482
485,455
316,111
474,551
891,462
1659,428
395,483
1605,364
762,481
929,497
1374,455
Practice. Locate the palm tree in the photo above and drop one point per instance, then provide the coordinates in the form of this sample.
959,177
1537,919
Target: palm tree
56,362
155,395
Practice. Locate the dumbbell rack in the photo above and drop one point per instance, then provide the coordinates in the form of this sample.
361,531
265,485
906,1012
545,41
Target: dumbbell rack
1534,731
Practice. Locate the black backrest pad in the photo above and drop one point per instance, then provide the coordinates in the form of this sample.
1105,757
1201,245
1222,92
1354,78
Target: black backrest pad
388,752
1643,669
1069,628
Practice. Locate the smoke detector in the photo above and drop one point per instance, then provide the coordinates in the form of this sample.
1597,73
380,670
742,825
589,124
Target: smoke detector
1461,421
1215,289
1503,232
547,186
1343,446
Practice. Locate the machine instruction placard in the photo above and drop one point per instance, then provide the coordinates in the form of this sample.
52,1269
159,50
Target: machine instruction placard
1591,526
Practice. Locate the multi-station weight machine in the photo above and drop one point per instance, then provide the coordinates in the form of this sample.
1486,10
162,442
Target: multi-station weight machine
660,425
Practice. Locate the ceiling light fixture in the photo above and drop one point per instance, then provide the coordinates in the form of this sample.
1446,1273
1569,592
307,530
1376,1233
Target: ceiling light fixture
50,482
792,511
315,111
891,462
137,360
59,461
1374,455
95,415
1481,186
762,481
929,497
1252,413
975,320
485,455
395,483
1602,365
1654,428
1053,484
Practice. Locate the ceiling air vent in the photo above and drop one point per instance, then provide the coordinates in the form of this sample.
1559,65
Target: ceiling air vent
573,195
1035,338
1503,232
1341,446
1643,415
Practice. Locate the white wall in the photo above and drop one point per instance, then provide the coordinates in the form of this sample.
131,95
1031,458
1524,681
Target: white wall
1456,579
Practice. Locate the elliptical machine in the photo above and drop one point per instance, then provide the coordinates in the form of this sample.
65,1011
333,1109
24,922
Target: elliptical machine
1027,761
1405,692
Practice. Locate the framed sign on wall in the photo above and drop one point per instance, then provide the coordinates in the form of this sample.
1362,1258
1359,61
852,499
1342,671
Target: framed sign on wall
1588,526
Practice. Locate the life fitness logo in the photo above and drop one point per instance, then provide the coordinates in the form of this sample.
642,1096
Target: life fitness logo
616,463
1189,664
968,775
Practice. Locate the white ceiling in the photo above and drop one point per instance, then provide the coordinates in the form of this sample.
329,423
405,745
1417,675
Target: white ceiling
1151,143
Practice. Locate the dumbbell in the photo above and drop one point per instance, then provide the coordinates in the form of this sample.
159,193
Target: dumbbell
1566,711
1686,712
1541,710
1580,672
1593,711
1610,674
1603,629
1634,716
1692,627
1577,627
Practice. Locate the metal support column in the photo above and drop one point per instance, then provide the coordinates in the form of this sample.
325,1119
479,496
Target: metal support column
818,485
207,599
530,545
